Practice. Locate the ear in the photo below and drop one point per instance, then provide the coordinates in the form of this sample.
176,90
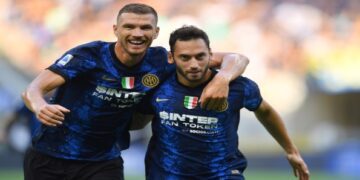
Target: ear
115,30
170,58
157,33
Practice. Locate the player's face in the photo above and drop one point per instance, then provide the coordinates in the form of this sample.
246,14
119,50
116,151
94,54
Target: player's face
135,32
192,61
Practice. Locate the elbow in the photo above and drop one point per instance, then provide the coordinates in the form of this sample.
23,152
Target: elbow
24,95
244,59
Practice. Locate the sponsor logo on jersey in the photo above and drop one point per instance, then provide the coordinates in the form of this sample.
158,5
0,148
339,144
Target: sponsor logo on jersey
224,106
190,123
63,61
190,102
108,78
118,98
188,117
161,99
150,80
127,82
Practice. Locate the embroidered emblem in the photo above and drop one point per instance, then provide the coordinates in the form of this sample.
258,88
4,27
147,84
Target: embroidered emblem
150,80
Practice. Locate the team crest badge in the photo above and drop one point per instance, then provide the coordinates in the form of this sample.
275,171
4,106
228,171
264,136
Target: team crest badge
223,107
150,80
190,102
127,82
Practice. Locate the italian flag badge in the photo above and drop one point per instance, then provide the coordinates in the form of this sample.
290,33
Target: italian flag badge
127,82
190,102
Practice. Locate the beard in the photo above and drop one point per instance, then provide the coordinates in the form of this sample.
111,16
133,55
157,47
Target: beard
200,77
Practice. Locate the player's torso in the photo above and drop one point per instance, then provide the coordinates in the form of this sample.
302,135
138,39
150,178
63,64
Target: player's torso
101,102
190,140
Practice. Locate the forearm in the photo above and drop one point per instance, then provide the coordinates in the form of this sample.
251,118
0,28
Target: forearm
33,98
275,126
232,66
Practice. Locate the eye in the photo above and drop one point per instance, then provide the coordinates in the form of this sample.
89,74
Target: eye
147,27
201,56
128,26
184,57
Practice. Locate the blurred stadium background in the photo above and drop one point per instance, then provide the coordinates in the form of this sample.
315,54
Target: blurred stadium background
304,55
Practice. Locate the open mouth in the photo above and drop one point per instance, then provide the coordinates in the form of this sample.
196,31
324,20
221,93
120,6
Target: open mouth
136,42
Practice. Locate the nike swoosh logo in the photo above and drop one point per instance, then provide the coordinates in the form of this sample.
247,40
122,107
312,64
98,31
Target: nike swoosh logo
107,78
161,100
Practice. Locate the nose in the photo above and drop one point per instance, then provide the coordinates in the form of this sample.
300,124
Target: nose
137,32
194,64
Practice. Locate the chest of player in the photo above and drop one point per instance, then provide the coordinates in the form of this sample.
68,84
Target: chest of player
121,90
180,109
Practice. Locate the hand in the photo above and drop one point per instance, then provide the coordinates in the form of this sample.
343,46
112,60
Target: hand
215,93
299,167
51,114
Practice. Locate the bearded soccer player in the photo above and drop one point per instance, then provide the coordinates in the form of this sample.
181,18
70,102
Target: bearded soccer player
98,84
190,142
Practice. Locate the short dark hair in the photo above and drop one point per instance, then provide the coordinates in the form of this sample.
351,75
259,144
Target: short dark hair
137,8
186,33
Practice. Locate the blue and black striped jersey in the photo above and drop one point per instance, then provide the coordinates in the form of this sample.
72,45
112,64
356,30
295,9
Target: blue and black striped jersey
101,93
190,142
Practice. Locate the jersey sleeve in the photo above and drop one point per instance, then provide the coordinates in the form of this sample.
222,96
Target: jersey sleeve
252,96
72,64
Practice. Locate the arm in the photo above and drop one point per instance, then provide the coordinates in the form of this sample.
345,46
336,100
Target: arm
48,114
275,126
231,67
139,121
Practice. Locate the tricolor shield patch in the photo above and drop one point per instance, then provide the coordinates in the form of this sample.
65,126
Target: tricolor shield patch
63,61
127,82
190,102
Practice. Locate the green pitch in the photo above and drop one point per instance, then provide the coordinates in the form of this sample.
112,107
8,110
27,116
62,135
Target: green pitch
249,175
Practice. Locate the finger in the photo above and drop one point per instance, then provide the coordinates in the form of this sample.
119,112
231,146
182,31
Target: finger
305,172
304,176
219,104
211,104
62,109
48,119
53,113
43,121
204,102
296,173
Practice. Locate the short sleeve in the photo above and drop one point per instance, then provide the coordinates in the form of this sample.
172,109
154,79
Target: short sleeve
252,96
71,65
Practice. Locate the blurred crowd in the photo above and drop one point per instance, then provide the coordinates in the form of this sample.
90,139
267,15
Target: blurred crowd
288,41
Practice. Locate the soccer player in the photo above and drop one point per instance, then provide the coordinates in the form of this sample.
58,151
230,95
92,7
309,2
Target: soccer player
190,142
98,84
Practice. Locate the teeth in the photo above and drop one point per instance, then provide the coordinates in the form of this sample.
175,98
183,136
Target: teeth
136,42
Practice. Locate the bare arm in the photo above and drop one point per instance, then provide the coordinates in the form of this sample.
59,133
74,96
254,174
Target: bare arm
139,121
275,126
48,114
231,67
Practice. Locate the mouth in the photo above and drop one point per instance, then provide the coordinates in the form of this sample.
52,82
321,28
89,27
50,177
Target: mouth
194,73
136,42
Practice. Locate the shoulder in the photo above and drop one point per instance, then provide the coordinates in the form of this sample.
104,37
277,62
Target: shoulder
243,83
157,55
89,50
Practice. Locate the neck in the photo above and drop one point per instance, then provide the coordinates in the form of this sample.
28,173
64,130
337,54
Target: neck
193,84
125,58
